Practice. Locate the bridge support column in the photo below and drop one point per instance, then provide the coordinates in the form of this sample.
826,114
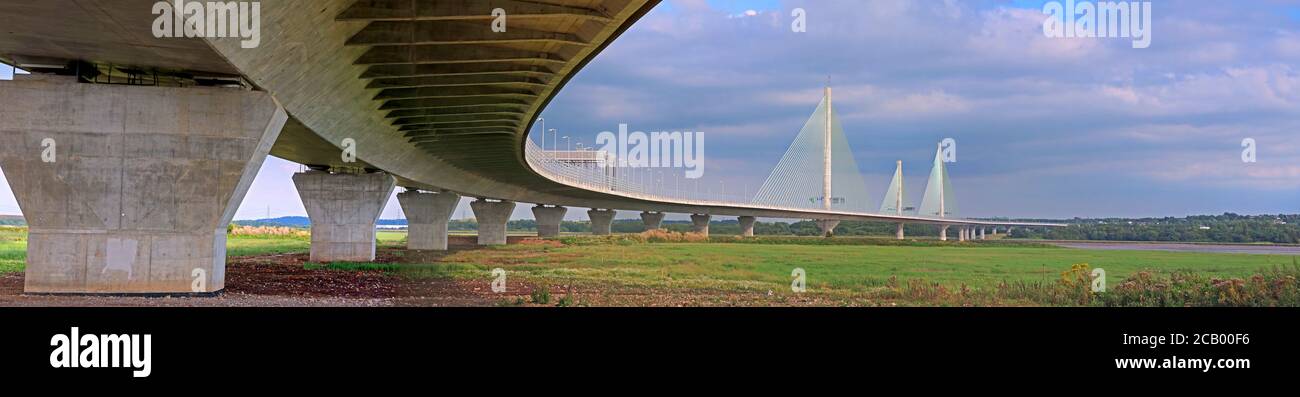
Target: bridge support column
426,217
746,225
652,220
981,233
943,233
827,227
700,223
343,209
122,189
961,233
549,220
899,233
492,217
602,221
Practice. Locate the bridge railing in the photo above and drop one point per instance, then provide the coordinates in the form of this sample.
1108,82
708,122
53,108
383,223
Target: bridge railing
642,183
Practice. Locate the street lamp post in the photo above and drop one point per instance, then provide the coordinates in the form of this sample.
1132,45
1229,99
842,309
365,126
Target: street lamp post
567,146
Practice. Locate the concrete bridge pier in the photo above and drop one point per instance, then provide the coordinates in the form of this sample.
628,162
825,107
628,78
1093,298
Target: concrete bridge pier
549,220
123,188
492,217
746,225
343,209
700,223
982,233
899,233
427,214
602,221
943,233
652,220
962,233
827,227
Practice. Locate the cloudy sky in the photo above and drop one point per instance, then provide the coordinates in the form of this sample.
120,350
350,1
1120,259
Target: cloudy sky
1046,127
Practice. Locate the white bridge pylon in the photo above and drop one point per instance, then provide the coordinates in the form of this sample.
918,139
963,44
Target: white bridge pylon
818,171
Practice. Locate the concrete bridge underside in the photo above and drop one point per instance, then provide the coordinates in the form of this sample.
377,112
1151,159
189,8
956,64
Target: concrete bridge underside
429,93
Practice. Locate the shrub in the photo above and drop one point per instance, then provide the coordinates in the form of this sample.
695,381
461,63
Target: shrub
268,231
541,295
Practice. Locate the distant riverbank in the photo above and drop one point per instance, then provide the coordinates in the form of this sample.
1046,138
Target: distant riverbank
1264,249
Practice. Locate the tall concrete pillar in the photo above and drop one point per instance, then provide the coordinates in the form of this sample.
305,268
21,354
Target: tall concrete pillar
981,233
700,223
129,189
426,218
492,217
943,233
549,220
343,209
827,227
746,225
899,233
961,233
601,221
652,220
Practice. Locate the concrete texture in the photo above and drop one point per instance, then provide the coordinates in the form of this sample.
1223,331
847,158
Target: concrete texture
601,221
426,217
982,233
746,225
700,223
652,220
142,184
343,209
492,217
943,233
549,220
827,226
898,234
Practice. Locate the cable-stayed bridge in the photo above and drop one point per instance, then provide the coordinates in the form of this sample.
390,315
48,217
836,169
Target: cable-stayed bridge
134,140
816,179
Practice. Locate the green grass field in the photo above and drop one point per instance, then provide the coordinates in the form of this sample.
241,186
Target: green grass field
13,249
857,268
844,267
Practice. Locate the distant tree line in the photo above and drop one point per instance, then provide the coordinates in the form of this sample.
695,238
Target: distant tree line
1226,228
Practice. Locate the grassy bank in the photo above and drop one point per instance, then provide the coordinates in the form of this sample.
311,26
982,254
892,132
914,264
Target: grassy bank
858,274
841,271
